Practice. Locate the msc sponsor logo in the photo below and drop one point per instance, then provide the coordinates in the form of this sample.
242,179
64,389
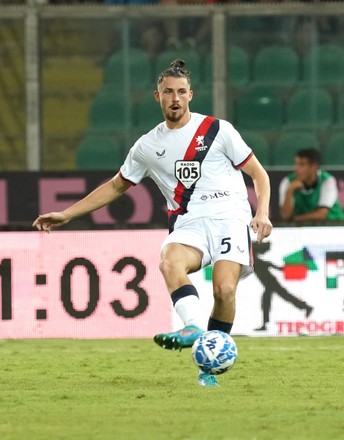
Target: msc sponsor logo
215,195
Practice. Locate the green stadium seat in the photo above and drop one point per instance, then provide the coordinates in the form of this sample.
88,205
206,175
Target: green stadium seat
259,145
310,108
259,109
148,113
340,111
98,153
110,111
276,66
333,152
202,102
288,144
137,68
324,65
238,67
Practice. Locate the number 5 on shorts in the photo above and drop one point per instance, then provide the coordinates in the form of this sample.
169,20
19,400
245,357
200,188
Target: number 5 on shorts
226,242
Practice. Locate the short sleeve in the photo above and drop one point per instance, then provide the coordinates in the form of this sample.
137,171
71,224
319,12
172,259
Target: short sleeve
235,147
283,190
134,167
328,193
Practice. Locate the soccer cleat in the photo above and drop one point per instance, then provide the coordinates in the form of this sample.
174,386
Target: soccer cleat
207,380
180,339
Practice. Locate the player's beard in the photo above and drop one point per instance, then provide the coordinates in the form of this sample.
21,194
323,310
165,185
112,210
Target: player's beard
174,116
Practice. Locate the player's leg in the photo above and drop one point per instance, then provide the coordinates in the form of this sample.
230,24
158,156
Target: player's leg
232,259
177,261
226,275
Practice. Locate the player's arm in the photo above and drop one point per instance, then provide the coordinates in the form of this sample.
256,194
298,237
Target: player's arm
328,197
261,182
101,196
286,196
316,214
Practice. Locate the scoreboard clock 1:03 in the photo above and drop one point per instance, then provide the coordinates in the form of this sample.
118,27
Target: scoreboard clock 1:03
82,284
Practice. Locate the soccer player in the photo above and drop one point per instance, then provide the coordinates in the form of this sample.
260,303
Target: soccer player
196,161
309,193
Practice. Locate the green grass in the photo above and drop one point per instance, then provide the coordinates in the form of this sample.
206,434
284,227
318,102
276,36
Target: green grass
279,389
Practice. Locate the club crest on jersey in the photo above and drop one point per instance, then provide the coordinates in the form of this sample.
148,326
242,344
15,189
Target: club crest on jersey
187,172
200,144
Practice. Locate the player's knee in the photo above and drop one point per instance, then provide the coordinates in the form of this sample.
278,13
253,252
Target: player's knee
224,293
168,265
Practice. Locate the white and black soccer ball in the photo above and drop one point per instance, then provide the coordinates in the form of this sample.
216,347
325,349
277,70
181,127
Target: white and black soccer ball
214,352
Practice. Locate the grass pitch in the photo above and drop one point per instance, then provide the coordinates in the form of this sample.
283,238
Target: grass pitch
279,389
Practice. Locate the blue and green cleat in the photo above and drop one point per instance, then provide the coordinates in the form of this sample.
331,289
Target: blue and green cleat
207,380
180,339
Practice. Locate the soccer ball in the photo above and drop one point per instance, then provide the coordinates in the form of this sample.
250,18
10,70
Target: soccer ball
214,352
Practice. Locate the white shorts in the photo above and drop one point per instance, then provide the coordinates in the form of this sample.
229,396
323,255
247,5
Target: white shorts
217,239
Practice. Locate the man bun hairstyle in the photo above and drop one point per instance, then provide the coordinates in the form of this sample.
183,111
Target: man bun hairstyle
177,64
177,69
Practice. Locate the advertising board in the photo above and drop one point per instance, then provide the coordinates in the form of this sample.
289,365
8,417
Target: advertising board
107,284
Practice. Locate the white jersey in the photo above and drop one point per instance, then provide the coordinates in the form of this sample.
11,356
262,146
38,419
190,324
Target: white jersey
196,167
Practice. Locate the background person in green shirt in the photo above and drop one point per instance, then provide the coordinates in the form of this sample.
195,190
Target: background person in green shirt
309,193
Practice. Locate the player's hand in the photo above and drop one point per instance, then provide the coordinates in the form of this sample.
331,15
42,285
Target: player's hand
295,185
261,225
47,222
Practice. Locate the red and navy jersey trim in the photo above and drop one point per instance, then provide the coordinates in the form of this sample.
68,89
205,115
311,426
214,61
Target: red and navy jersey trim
237,167
209,129
129,182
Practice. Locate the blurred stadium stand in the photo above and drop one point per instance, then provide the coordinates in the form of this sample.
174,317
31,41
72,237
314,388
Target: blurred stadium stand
148,113
98,152
277,66
260,145
238,68
138,70
261,108
310,108
97,82
333,152
325,65
12,96
287,145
